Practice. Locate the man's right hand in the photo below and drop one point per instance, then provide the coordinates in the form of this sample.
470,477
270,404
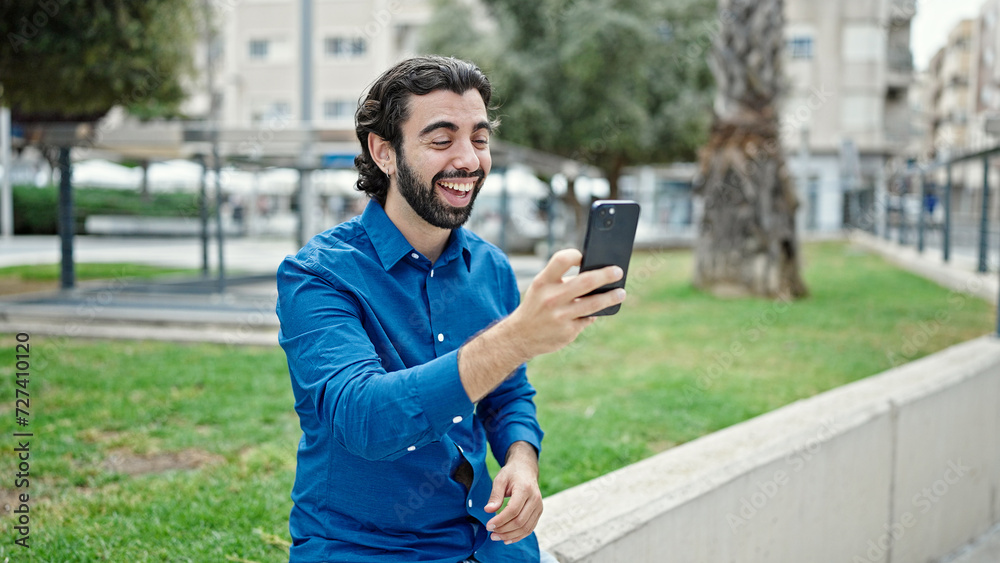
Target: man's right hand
554,310
552,314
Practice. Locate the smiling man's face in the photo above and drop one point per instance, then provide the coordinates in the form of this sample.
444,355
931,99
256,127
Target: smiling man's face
444,156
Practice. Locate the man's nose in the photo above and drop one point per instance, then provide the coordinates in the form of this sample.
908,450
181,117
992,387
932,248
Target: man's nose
465,157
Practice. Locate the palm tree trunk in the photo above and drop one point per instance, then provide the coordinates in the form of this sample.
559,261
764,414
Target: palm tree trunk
747,240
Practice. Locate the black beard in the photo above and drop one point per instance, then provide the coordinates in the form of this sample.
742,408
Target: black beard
424,200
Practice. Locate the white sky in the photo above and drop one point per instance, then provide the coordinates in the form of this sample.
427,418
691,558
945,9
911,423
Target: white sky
934,19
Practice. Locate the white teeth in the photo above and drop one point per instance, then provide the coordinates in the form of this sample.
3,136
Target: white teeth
457,187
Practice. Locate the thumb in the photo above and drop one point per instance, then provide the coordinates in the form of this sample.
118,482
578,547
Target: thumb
497,494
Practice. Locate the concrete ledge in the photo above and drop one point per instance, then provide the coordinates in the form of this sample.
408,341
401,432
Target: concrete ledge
899,467
128,225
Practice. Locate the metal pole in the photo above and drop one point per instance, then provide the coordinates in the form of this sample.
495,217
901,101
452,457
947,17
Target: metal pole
203,213
504,210
984,220
885,215
67,274
6,196
550,210
920,214
904,189
219,233
946,238
306,163
214,138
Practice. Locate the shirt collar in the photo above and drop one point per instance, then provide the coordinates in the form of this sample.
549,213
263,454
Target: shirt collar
391,246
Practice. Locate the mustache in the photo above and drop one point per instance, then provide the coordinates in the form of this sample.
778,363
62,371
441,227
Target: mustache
458,174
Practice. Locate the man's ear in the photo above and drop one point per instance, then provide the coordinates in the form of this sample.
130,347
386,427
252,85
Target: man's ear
382,153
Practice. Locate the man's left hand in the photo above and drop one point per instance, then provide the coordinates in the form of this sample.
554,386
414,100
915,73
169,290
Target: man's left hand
517,479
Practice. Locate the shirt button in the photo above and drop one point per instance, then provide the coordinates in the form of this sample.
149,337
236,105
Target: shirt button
470,503
415,256
432,273
457,419
411,448
440,338
460,449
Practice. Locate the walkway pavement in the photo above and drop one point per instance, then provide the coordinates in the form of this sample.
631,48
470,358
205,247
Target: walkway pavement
183,309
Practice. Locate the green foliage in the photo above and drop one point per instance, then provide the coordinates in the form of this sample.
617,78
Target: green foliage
75,60
35,209
607,82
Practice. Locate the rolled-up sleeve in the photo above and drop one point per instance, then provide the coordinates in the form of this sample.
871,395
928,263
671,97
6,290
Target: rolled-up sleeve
337,374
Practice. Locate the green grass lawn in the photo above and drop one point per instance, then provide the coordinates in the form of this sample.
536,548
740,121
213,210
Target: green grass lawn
89,271
161,452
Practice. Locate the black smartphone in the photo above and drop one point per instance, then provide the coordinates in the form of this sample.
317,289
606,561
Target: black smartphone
610,236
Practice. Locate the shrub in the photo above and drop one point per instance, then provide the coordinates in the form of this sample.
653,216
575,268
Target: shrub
36,209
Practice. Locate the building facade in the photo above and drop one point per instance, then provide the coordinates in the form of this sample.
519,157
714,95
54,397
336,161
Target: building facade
260,70
846,117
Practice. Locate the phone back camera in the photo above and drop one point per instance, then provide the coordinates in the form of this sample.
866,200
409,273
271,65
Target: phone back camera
608,223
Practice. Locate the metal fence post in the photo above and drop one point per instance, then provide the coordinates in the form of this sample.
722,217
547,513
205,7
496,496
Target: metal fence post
984,220
885,216
67,271
946,236
920,214
904,189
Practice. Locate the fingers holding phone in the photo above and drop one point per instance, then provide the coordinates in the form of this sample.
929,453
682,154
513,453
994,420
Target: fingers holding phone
555,309
610,237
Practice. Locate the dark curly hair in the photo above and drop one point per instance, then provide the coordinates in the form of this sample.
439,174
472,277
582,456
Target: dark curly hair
386,106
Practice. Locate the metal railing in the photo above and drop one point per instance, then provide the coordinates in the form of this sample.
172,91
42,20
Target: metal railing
973,225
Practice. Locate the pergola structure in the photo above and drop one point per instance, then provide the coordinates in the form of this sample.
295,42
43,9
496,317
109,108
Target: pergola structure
274,144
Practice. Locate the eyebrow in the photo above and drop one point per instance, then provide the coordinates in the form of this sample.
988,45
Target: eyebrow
453,127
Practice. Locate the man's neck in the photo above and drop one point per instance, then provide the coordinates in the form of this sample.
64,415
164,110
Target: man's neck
425,238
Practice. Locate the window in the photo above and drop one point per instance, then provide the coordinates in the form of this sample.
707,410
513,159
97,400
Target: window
345,47
259,49
800,47
338,110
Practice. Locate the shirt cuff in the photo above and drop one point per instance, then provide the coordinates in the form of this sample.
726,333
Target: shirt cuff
516,432
441,393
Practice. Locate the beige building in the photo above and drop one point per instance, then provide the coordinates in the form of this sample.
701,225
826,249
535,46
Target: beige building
846,117
984,80
259,66
950,98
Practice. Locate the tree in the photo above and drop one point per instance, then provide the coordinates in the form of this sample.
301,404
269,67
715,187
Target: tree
611,83
747,241
72,61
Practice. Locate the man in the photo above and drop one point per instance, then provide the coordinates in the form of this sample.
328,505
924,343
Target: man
406,344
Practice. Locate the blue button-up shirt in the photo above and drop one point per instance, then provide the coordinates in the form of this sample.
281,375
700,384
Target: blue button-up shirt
371,329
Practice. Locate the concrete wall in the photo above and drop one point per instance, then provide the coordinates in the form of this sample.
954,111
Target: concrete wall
899,467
